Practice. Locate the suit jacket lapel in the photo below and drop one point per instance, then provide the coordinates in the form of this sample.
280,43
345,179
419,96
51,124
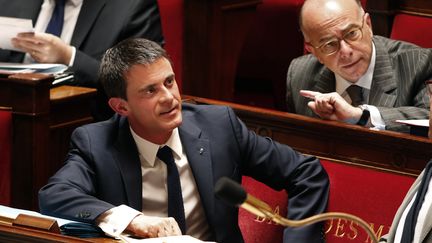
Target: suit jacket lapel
89,12
30,9
384,86
198,153
127,157
325,81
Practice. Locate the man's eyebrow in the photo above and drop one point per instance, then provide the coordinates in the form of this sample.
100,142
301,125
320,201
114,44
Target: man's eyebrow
343,31
170,77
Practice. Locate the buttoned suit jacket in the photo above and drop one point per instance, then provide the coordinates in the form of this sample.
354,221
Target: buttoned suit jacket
100,25
102,170
397,90
426,235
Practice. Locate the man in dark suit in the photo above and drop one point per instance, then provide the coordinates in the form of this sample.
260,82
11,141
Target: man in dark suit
352,75
113,175
100,24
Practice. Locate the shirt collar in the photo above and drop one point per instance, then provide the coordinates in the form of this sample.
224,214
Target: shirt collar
148,150
364,81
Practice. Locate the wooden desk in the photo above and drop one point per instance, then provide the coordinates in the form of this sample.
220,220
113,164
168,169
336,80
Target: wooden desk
9,233
334,140
43,119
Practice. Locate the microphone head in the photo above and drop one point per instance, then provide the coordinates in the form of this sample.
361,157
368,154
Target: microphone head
230,191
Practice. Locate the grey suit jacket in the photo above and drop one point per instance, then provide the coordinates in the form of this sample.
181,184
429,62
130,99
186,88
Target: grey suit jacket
100,25
102,170
397,90
426,235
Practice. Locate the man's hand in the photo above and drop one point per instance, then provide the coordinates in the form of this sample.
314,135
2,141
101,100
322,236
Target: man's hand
43,47
151,227
331,106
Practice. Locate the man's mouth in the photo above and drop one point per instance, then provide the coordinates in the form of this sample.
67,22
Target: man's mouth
170,111
347,66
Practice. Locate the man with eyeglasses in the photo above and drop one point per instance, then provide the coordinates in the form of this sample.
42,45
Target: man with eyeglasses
352,75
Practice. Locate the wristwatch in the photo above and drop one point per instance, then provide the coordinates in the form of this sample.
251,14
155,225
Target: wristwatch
364,117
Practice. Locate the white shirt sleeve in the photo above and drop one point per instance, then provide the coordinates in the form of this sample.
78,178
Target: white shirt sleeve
72,60
114,221
375,117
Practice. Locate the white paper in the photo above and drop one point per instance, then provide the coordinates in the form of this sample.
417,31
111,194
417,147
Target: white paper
52,68
12,213
170,239
10,27
419,123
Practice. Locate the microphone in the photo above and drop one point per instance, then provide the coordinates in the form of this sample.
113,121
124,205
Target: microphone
235,195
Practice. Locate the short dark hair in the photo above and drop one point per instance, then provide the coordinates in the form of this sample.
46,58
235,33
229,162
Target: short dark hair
120,58
301,12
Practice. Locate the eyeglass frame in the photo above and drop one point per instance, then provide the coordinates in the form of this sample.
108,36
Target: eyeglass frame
340,39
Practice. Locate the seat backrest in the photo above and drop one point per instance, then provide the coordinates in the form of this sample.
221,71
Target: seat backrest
371,194
5,155
256,230
172,28
273,40
412,28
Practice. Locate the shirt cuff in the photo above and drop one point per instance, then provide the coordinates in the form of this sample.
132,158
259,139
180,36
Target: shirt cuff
375,117
72,60
114,221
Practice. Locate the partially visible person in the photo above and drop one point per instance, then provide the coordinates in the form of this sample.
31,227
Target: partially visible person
114,175
413,222
90,27
352,75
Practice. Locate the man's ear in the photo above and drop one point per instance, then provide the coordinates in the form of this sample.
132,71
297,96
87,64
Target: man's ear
308,48
313,51
119,105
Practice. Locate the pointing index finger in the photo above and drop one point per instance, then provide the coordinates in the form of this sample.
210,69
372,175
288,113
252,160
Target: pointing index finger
309,94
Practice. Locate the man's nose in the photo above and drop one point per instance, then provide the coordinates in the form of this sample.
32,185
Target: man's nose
166,94
345,49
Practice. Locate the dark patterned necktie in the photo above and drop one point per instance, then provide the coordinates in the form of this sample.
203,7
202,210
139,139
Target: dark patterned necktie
55,24
355,93
175,198
411,218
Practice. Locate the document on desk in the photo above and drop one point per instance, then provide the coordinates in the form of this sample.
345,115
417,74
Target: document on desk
10,27
12,213
418,122
169,239
49,68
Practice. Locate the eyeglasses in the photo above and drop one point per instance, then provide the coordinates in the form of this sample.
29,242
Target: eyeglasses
333,45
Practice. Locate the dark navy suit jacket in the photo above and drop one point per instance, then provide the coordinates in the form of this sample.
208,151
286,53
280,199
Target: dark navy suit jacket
102,170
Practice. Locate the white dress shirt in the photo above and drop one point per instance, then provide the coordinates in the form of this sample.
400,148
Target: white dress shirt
155,193
71,12
365,82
